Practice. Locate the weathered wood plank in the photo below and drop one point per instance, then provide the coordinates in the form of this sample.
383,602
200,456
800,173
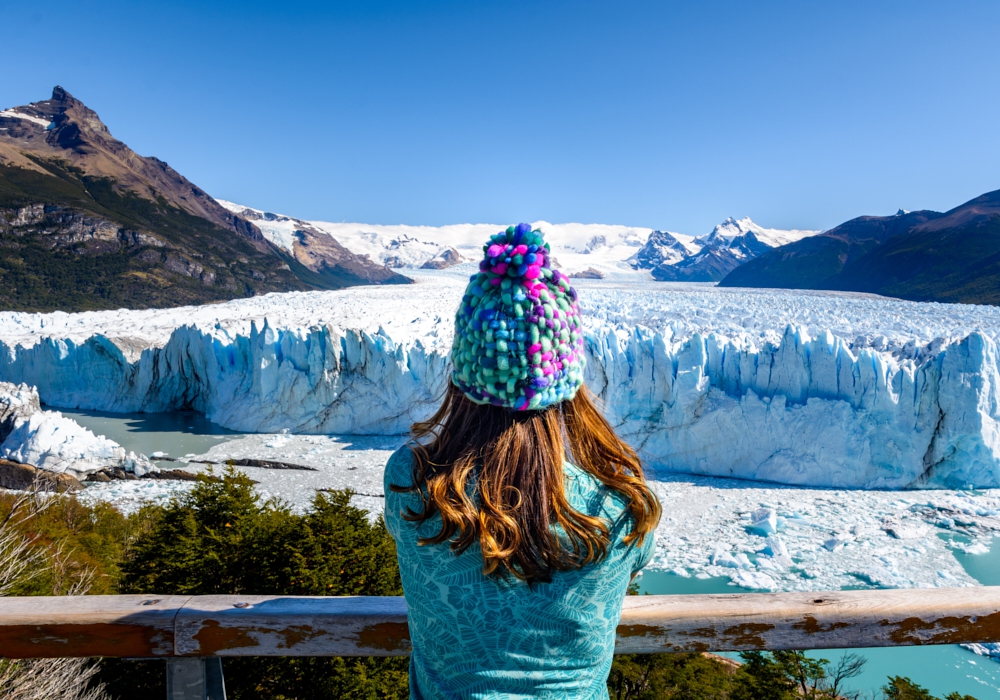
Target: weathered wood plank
148,626
53,626
851,619
292,626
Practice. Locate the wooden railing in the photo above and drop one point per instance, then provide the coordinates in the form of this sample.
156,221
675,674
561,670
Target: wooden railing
189,629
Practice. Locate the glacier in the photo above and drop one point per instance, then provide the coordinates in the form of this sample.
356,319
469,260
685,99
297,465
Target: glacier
799,388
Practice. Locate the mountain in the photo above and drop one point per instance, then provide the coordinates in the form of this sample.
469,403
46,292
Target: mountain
711,257
661,248
606,249
920,255
86,223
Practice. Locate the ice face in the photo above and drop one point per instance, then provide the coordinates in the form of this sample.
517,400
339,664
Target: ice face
847,391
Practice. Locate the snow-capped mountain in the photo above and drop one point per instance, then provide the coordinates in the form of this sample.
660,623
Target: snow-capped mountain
579,247
589,250
662,248
723,249
735,228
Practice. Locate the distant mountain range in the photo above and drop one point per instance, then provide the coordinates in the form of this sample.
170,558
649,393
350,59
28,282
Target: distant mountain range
919,255
86,223
589,251
711,257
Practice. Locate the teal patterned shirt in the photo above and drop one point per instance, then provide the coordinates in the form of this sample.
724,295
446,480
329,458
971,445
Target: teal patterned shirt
477,637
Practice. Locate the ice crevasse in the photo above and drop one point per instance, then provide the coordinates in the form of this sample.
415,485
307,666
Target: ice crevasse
799,410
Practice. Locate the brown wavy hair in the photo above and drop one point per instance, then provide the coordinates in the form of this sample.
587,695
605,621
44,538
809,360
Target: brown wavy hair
496,477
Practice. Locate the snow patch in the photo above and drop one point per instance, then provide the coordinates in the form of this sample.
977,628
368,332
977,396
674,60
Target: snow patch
14,114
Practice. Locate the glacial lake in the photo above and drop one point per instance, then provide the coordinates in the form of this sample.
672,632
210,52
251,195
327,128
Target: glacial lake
940,669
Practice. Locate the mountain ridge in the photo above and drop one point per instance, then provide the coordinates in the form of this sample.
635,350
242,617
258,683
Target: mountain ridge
918,255
86,223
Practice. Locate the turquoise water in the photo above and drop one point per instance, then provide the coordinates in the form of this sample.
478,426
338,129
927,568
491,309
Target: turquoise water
175,434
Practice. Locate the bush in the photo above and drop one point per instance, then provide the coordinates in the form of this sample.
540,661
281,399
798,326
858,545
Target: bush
221,538
90,540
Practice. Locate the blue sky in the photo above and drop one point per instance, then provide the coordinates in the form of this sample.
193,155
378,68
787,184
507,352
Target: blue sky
669,115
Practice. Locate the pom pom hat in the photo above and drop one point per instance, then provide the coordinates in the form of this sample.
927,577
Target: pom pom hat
518,337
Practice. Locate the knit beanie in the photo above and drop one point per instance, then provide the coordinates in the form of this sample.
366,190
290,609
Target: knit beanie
518,338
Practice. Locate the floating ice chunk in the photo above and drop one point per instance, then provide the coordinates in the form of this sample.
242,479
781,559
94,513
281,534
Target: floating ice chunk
876,576
838,541
138,464
905,529
753,579
990,649
776,554
774,546
974,548
277,442
157,455
764,521
50,441
775,564
725,559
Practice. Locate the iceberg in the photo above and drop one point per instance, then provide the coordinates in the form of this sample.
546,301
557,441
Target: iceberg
50,441
797,388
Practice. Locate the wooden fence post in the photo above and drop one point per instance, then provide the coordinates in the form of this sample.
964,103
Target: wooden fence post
193,678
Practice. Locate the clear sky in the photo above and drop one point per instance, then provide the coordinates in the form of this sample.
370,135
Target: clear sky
670,115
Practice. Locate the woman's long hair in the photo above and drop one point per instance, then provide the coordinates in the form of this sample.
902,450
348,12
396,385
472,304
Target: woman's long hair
496,477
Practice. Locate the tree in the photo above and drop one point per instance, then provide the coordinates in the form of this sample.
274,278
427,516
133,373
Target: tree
901,688
684,676
221,538
762,678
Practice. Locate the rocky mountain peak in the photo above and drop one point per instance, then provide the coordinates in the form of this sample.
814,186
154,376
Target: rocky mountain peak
66,184
661,248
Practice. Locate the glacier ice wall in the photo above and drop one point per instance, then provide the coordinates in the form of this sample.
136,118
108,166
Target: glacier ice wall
799,410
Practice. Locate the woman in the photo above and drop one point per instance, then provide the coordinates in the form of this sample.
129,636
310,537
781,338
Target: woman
519,516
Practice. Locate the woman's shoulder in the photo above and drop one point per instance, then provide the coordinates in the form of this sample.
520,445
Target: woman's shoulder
399,469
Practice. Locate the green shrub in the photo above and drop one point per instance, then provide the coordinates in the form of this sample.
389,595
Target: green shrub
221,538
91,540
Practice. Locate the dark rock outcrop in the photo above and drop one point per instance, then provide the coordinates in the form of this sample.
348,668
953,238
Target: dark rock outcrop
443,260
21,477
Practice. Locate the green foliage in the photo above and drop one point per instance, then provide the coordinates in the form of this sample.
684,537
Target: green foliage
676,676
761,677
900,688
92,539
221,538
